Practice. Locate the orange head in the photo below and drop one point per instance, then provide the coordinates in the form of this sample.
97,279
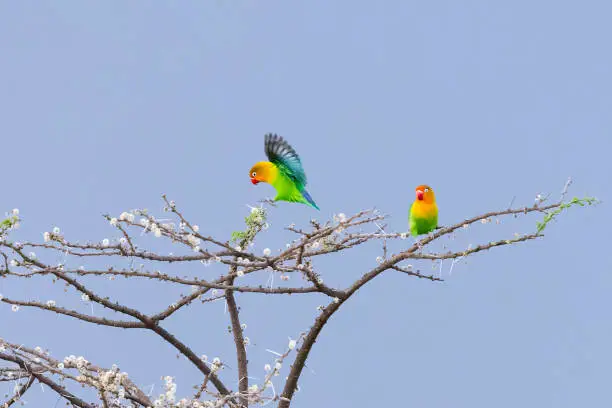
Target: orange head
425,193
263,171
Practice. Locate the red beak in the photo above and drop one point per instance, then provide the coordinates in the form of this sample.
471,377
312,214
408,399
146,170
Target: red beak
254,181
419,194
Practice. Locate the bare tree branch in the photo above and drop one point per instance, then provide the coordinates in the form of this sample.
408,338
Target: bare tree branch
299,260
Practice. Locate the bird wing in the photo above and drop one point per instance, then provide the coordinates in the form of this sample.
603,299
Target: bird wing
285,157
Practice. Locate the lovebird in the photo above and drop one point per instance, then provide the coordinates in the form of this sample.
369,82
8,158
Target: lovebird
423,212
284,171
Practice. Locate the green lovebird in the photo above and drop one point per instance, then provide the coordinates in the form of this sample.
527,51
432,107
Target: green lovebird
284,171
423,212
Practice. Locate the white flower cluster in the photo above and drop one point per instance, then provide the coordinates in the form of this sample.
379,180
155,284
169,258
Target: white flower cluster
340,217
152,226
156,230
216,364
127,216
168,398
78,362
112,381
81,364
194,241
258,212
56,235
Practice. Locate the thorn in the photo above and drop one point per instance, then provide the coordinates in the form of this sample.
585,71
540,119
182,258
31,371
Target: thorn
511,202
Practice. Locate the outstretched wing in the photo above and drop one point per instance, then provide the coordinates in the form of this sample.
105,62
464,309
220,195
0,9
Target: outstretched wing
284,156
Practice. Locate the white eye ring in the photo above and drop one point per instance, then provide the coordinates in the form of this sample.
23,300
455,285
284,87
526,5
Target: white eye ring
253,174
427,190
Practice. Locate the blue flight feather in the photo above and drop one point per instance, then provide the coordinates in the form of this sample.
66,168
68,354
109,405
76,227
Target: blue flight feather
309,199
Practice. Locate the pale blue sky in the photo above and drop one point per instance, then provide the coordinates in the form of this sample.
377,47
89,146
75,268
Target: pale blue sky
106,105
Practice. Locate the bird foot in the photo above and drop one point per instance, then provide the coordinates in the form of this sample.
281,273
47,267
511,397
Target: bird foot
268,201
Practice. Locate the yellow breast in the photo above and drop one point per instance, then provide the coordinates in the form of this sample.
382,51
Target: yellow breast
421,209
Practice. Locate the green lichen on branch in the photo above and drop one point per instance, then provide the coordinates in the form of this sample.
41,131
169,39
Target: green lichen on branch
255,222
552,214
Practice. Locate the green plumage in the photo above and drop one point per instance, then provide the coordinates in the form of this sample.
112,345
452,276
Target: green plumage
290,182
287,190
419,226
423,218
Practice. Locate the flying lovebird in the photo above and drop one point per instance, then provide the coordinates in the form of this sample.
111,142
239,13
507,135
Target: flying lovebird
284,171
423,212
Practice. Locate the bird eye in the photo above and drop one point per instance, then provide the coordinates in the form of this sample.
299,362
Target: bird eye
427,190
253,174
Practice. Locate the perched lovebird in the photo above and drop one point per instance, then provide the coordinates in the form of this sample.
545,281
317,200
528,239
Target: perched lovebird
423,212
284,171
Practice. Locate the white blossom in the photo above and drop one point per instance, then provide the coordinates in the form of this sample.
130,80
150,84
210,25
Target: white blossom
15,212
292,344
113,222
267,252
51,303
195,228
56,230
14,308
46,236
85,297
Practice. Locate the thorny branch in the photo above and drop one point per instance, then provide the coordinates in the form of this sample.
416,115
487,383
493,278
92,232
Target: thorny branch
298,259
